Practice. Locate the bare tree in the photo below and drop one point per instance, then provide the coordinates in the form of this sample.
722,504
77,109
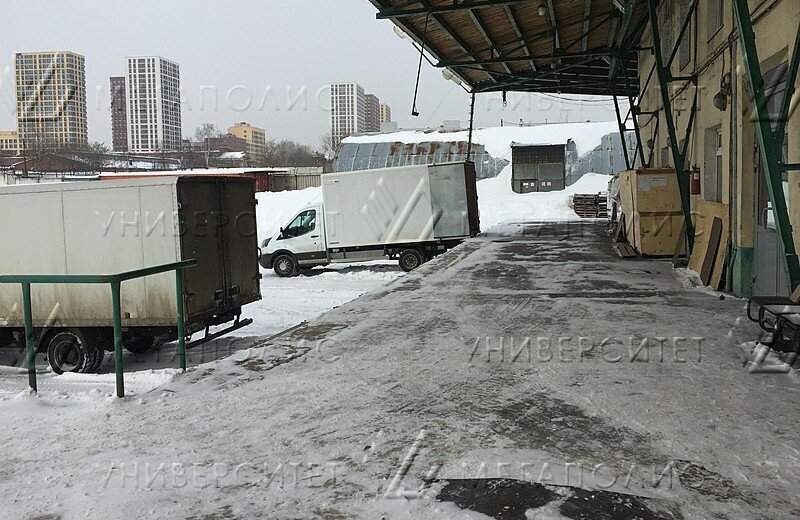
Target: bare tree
327,146
203,135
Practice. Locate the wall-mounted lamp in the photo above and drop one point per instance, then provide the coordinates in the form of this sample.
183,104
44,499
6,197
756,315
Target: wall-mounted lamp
721,98
449,75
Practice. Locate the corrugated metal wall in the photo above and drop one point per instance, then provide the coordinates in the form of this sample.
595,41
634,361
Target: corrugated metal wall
367,156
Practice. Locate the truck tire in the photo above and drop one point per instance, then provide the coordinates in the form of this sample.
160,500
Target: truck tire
68,351
285,265
142,345
410,259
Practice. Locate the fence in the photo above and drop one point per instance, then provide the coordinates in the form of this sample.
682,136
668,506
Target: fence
115,280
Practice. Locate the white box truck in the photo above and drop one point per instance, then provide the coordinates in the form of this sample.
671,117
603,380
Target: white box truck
110,227
409,213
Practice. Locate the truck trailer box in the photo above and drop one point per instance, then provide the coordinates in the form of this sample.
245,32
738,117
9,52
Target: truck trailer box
409,204
108,227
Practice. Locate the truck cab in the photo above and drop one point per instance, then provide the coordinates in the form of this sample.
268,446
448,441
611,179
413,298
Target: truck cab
299,245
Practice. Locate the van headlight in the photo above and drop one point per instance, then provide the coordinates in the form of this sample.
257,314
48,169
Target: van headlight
265,242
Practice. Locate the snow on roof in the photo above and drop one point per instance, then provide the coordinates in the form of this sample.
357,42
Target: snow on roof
199,171
232,155
497,140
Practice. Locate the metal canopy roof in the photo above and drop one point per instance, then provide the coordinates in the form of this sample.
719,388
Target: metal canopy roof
555,46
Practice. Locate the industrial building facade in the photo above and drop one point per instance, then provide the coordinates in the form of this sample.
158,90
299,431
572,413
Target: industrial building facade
348,111
50,99
153,104
722,151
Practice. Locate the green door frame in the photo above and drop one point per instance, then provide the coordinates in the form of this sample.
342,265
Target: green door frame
769,147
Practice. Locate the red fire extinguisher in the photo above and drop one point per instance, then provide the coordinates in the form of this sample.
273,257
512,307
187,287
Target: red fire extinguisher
695,181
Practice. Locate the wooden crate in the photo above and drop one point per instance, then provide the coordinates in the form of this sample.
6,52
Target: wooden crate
651,203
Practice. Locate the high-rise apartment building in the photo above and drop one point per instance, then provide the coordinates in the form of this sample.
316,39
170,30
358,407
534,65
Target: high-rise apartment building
348,111
153,108
119,117
254,137
386,113
373,117
50,99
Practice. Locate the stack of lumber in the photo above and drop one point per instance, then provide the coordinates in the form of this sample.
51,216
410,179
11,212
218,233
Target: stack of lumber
590,205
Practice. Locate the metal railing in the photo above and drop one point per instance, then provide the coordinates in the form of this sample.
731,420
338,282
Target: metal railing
115,280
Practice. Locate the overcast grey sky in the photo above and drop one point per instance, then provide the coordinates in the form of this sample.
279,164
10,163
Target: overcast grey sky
249,60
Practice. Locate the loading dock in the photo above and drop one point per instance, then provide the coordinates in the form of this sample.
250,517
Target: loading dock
538,167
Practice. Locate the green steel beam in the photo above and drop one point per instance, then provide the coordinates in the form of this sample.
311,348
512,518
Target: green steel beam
770,150
664,78
622,32
635,109
622,131
30,340
116,302
603,51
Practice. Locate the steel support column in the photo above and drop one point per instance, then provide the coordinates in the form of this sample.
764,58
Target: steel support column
664,79
471,124
623,130
769,148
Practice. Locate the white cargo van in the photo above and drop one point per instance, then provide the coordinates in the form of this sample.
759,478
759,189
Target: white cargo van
409,213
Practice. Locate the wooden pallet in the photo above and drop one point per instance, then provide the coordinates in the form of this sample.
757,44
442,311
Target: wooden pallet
590,205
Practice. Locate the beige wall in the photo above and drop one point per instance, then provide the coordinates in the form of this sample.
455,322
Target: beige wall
776,23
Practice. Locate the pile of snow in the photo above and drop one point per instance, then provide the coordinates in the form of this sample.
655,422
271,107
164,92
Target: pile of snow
497,140
498,203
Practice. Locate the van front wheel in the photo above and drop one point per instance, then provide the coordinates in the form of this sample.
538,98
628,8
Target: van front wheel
285,266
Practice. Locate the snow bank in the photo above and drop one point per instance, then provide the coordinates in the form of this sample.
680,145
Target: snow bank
499,203
497,140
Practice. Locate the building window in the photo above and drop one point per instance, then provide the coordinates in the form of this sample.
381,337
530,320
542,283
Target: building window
686,42
712,178
716,14
666,157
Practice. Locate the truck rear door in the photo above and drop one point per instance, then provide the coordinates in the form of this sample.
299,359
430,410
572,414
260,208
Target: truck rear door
199,214
240,241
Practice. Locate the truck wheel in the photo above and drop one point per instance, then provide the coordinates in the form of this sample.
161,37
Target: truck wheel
142,345
410,259
68,352
285,266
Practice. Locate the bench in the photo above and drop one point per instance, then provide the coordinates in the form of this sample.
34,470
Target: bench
779,316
